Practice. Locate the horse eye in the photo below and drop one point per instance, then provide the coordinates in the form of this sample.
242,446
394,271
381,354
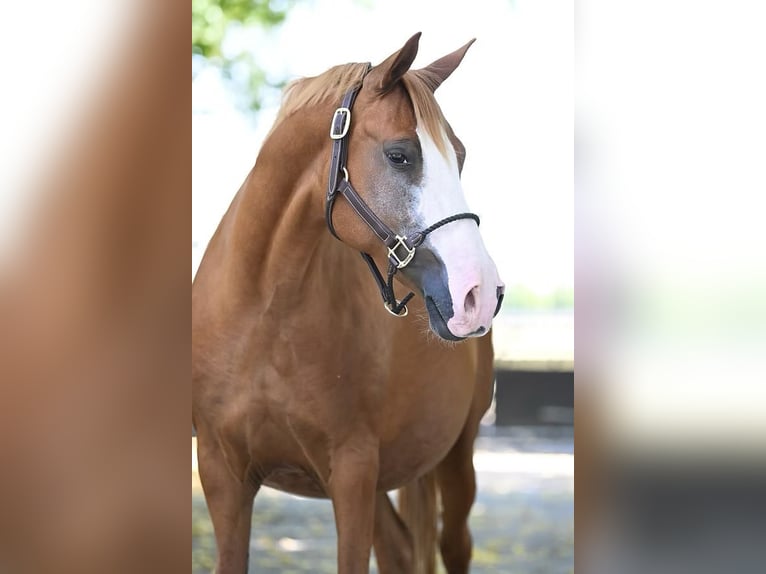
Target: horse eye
397,158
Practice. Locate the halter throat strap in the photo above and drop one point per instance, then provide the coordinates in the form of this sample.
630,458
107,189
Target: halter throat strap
401,249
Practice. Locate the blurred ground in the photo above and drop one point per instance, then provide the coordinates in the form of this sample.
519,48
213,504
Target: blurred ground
522,521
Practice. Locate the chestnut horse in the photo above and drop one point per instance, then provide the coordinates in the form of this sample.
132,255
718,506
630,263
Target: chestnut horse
302,380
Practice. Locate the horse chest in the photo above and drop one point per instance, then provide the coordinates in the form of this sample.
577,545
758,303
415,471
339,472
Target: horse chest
416,409
421,435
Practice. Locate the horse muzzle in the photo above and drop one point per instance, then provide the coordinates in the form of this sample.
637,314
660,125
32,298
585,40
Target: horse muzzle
468,314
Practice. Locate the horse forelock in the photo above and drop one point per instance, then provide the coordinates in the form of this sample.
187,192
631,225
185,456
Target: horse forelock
420,85
332,84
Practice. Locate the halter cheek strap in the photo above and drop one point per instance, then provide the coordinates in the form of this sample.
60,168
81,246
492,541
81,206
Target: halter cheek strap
401,249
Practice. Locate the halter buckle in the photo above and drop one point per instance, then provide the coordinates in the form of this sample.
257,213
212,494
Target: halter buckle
395,259
342,130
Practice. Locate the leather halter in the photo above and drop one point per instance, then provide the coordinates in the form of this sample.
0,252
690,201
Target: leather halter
401,249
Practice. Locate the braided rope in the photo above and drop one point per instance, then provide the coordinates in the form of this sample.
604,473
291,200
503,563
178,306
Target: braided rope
450,219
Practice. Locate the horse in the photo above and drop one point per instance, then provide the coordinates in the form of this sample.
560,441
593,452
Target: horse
302,380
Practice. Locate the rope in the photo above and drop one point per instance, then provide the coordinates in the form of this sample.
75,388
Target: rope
387,288
445,221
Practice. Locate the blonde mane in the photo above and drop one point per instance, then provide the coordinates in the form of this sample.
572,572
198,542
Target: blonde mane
328,86
420,86
332,84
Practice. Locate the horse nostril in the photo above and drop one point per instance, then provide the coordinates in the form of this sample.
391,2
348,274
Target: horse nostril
500,295
470,300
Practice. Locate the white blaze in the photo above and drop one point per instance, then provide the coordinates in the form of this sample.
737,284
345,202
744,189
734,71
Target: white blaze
459,244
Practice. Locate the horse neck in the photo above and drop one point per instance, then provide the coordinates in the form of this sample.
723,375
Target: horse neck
277,234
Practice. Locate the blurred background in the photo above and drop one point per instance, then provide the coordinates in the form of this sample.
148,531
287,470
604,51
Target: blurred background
95,217
670,143
511,104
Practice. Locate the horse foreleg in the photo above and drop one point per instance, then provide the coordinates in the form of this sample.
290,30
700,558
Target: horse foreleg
457,483
352,487
230,503
392,539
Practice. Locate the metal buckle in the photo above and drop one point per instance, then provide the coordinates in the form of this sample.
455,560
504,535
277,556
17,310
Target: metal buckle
402,314
400,242
346,123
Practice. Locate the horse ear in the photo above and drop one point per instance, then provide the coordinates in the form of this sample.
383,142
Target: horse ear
438,71
385,75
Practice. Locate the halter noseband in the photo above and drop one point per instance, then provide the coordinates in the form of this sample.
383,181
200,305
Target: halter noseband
401,249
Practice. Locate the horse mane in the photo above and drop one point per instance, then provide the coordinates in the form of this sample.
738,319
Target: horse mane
420,85
327,86
332,84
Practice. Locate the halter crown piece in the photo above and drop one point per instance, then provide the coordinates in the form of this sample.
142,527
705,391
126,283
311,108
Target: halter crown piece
401,249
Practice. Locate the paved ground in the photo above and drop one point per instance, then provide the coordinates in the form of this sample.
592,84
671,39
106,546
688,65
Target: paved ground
522,521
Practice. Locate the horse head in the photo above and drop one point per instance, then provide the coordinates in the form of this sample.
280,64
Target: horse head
405,163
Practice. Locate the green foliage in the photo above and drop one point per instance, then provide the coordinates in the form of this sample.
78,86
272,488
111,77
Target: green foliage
212,20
